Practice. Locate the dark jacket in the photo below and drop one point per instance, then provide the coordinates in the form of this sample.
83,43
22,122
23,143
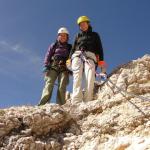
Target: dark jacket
56,52
88,41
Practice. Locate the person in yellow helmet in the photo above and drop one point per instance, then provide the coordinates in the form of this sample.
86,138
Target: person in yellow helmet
86,52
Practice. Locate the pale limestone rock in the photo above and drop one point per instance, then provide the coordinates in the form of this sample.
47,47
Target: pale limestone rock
118,120
126,143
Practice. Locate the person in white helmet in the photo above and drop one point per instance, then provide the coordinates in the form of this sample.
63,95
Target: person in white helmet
55,68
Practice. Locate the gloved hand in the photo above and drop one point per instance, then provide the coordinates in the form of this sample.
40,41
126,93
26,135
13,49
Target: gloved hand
102,65
68,62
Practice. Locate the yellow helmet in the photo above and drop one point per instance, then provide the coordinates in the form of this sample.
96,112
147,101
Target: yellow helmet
82,19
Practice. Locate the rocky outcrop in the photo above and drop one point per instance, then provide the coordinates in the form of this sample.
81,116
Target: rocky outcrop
119,119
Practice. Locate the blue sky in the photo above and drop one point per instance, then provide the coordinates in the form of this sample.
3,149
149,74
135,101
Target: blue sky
27,27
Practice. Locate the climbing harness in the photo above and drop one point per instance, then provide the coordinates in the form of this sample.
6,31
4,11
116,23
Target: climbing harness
83,59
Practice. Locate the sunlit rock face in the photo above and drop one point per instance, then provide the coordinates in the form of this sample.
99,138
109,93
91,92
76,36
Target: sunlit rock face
119,118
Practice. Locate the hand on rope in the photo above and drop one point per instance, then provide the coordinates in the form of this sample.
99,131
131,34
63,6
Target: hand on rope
101,64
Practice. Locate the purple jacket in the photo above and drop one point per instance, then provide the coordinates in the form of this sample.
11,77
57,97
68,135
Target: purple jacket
61,50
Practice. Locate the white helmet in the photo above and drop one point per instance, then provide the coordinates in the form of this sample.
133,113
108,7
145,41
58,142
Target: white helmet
63,30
